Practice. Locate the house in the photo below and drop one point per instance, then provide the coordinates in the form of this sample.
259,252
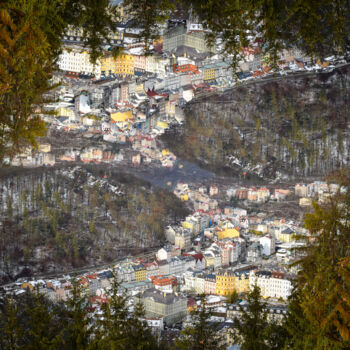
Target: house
140,272
213,190
227,231
152,269
122,117
275,313
254,251
268,244
286,235
163,254
271,283
305,202
225,282
136,159
170,306
163,283
300,190
210,284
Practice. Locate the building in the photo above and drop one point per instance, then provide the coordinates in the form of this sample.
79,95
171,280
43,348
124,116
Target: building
268,244
227,231
210,284
286,235
163,254
225,283
179,36
276,313
272,284
79,62
123,65
139,65
164,283
171,306
140,272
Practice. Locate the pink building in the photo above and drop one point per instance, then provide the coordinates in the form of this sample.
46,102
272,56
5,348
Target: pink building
140,64
210,284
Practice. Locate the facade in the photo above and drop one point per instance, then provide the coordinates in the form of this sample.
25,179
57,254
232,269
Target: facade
272,284
210,284
123,65
170,306
179,36
139,65
268,244
140,273
79,62
275,313
225,283
208,73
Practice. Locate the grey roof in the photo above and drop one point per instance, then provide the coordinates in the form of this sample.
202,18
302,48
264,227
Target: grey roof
160,297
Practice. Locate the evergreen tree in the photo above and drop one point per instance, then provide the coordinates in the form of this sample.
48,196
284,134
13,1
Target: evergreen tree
201,333
139,334
118,329
41,330
252,331
80,327
11,331
113,326
321,298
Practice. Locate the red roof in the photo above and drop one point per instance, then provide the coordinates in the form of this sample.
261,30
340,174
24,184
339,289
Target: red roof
152,93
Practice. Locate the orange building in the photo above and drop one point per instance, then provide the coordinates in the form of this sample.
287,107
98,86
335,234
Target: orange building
184,68
162,281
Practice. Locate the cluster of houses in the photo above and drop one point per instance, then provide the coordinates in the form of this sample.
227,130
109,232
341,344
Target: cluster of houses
319,190
147,151
258,195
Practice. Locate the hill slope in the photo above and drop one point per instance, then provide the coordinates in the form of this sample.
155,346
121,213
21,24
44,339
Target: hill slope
297,126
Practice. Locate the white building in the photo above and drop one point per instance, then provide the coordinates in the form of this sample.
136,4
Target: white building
79,62
156,65
268,244
272,284
163,254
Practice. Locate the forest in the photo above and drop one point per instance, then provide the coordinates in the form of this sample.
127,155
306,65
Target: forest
295,126
66,218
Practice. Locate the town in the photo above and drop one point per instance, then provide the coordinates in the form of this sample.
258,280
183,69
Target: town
112,114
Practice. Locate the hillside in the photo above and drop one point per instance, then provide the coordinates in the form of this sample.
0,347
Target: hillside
296,126
57,219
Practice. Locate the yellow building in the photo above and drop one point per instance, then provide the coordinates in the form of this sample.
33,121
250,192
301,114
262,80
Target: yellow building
186,224
27,285
125,65
242,282
165,152
184,197
209,259
208,74
225,283
107,65
122,117
65,112
140,273
140,88
227,232
44,147
287,235
121,65
162,125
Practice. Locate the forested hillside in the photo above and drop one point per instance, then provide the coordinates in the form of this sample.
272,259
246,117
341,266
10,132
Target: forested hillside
297,126
64,218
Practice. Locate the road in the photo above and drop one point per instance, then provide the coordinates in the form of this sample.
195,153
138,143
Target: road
91,269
